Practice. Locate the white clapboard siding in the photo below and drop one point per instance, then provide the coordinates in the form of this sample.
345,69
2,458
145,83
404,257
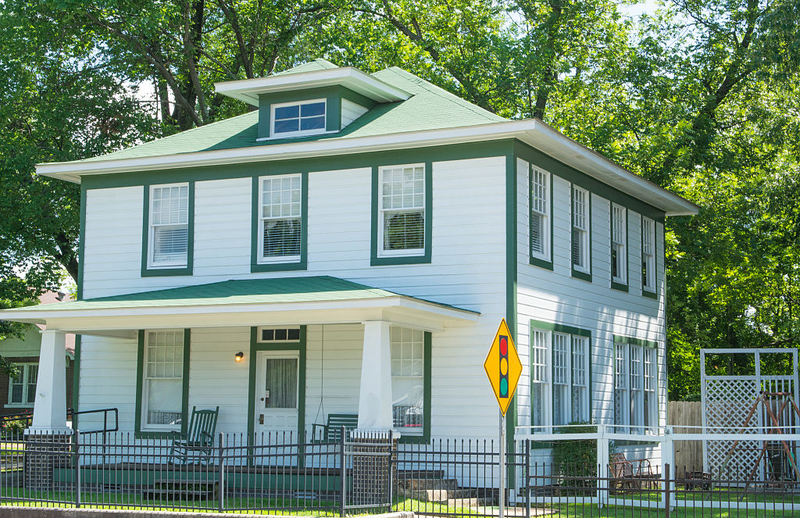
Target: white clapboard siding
107,380
555,296
223,214
351,111
215,379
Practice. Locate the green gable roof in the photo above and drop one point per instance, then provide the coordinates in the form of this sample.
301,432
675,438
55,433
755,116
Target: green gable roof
428,108
251,291
311,66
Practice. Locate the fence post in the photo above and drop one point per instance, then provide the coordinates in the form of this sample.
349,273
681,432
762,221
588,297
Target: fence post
667,488
526,484
221,474
667,459
77,469
602,466
391,479
343,469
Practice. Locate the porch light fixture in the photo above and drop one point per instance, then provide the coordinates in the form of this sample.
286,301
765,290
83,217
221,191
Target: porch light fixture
239,356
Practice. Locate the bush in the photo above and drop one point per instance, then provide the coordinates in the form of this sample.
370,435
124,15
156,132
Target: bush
576,461
13,429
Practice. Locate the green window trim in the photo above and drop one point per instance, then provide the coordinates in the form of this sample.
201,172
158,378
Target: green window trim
578,274
618,285
425,437
536,261
568,330
139,433
650,294
255,238
149,271
425,257
255,347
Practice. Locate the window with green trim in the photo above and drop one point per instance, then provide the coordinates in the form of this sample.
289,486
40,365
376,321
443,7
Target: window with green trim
580,230
280,219
162,380
648,255
635,387
562,356
401,211
408,379
540,215
168,233
619,244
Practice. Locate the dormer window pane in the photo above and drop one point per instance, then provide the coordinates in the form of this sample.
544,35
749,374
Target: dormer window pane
302,117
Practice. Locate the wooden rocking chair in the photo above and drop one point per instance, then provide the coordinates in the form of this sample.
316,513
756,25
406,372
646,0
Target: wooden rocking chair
197,443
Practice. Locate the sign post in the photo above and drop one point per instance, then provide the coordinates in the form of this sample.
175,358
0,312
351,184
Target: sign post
503,368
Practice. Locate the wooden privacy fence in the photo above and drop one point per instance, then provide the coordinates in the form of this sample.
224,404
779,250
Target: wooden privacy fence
688,454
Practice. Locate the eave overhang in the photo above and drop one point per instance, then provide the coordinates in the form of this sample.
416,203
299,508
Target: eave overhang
531,131
248,90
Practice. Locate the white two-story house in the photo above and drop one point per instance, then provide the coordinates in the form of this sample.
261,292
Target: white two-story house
351,246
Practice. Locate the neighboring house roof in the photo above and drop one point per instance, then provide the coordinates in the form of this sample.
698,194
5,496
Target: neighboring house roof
251,298
18,347
430,117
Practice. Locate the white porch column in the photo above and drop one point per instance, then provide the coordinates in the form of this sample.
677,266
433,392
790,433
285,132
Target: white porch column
50,407
375,396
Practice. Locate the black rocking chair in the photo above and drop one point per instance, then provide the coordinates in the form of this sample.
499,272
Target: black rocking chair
196,444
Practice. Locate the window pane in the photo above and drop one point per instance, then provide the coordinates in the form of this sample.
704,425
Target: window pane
408,381
281,382
164,399
287,112
310,110
286,126
404,231
169,220
281,216
312,123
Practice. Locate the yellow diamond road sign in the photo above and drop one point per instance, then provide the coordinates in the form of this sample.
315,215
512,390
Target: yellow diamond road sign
503,366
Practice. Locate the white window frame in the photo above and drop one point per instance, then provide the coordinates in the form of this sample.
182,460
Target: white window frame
619,243
540,388
580,229
25,376
409,252
262,221
146,426
635,387
540,197
415,371
648,254
299,132
151,241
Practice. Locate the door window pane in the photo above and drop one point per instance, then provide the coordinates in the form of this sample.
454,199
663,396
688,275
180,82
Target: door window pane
281,382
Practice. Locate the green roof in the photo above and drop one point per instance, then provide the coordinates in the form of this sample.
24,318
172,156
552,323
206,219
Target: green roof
311,66
428,108
251,291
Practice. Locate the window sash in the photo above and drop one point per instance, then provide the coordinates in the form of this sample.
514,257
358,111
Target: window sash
300,118
635,392
162,397
648,255
280,218
401,208
22,388
169,225
407,349
580,229
619,243
540,212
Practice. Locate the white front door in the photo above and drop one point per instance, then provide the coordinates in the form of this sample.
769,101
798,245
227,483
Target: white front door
277,392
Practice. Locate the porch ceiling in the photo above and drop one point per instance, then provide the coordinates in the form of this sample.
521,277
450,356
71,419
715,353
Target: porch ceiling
252,302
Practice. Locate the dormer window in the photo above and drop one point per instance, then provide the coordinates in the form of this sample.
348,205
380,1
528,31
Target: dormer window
299,118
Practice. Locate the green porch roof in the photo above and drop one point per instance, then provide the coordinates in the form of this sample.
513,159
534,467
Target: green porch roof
283,290
428,108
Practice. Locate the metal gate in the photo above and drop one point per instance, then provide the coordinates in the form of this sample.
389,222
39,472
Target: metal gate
369,469
727,400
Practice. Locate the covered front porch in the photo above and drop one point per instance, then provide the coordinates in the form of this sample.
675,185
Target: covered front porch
276,355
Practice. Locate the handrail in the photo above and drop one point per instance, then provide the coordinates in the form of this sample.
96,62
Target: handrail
105,411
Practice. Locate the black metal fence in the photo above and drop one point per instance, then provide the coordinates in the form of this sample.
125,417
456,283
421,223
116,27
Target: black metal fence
362,473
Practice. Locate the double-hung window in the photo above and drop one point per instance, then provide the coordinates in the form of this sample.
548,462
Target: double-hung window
168,226
22,387
563,352
540,216
648,255
408,379
619,245
280,219
401,211
162,380
298,118
635,403
580,230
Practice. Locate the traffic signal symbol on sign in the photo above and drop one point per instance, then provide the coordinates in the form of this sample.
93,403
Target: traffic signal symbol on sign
503,367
